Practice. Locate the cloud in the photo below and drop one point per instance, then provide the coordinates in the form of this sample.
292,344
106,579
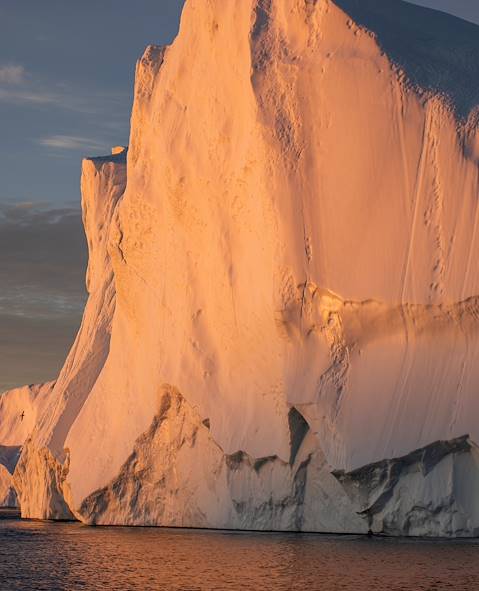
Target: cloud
42,260
17,85
69,100
42,268
71,142
28,96
12,74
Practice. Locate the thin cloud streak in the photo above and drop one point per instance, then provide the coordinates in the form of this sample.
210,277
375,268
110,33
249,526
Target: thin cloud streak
69,101
70,142
19,86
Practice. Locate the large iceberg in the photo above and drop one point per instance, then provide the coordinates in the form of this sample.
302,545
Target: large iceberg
283,314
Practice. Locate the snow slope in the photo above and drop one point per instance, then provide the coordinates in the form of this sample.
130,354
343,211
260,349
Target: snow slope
294,263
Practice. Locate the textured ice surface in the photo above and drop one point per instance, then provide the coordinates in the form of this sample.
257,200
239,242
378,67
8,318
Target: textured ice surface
283,297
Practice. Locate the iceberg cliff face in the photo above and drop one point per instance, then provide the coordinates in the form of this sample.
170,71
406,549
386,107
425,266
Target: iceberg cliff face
283,313
39,475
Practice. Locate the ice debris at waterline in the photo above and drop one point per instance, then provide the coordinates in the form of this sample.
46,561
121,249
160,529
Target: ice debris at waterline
283,314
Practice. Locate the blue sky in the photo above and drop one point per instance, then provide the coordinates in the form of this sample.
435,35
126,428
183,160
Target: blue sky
66,77
66,80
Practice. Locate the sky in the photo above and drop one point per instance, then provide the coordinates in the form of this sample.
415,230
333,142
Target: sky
66,81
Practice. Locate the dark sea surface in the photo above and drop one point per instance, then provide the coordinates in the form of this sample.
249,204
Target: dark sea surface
41,556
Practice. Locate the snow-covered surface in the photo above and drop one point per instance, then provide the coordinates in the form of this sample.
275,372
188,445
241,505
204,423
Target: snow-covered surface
293,262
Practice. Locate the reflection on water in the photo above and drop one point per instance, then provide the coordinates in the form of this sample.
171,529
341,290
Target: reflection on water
68,556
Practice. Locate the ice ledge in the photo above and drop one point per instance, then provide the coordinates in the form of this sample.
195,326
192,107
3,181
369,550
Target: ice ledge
431,491
117,156
118,150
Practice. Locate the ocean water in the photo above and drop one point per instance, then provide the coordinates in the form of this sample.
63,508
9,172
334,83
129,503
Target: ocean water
38,556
